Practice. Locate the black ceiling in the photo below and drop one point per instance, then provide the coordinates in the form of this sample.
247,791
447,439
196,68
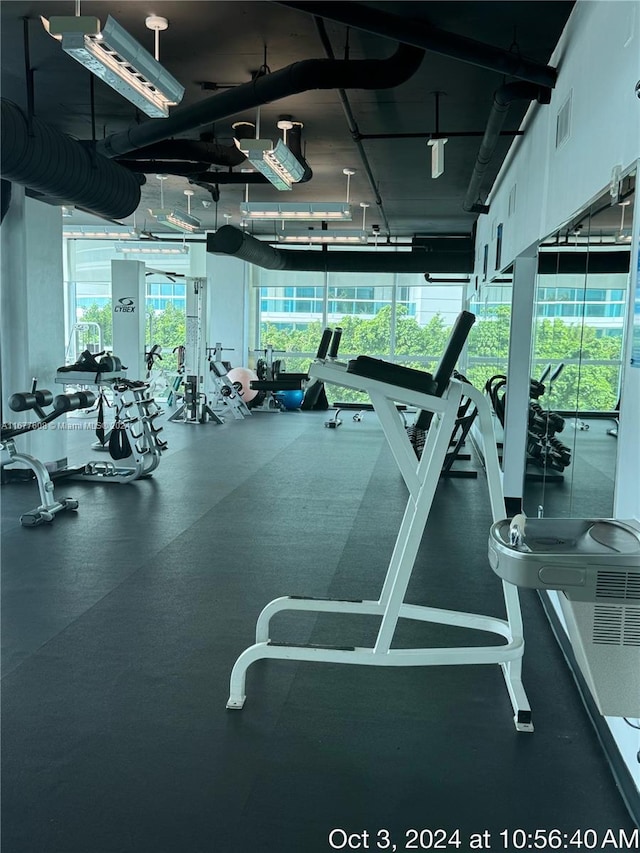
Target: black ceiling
222,44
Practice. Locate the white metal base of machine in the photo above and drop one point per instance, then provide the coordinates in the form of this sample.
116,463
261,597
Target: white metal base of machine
421,478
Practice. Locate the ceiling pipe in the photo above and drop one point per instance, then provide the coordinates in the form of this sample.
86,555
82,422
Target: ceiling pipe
502,100
193,171
354,130
294,143
292,80
50,163
163,167
445,255
190,149
422,34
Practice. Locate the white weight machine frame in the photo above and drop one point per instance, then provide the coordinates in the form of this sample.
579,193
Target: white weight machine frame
195,408
421,478
227,393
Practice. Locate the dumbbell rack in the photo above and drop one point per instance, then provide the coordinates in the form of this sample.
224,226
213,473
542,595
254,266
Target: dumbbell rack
136,410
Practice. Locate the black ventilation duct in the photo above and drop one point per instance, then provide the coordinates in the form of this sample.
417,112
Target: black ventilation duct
292,80
6,198
583,262
441,255
502,100
50,163
422,34
195,150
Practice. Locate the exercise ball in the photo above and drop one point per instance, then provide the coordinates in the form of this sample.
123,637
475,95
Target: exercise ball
290,399
244,375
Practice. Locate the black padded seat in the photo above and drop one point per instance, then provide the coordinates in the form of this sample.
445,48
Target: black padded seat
393,374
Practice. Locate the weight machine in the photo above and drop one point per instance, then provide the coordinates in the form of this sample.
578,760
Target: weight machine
36,400
195,408
387,384
134,437
228,392
272,379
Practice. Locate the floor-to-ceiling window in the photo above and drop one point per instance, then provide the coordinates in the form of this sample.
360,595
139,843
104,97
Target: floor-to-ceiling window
88,296
393,316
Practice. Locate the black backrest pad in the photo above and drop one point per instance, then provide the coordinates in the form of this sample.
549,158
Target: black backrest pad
325,340
455,345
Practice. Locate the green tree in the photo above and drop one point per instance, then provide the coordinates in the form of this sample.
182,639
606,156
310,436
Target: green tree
102,315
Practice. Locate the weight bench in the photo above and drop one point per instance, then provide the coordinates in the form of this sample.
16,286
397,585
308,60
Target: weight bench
35,400
441,402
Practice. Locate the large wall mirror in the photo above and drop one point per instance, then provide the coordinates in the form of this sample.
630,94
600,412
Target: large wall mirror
577,357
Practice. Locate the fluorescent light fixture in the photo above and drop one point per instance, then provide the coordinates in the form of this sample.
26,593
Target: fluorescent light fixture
93,232
437,156
279,165
311,235
151,248
298,211
115,57
177,219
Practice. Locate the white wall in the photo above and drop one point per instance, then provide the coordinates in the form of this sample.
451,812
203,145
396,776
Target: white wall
598,62
32,305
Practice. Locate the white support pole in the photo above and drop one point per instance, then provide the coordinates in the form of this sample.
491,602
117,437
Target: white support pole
525,270
128,300
626,501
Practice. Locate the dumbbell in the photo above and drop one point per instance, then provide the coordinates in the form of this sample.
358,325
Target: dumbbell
22,401
71,401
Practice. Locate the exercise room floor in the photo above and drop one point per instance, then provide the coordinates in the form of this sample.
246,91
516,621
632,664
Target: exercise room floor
122,623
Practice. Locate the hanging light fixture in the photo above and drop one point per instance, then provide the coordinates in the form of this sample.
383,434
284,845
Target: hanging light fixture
298,211
623,236
100,232
150,247
118,59
313,235
277,163
174,218
437,156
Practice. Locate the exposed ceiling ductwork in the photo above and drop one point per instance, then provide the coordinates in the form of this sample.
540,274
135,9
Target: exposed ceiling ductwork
292,80
440,255
52,164
422,34
502,100
194,150
186,144
213,154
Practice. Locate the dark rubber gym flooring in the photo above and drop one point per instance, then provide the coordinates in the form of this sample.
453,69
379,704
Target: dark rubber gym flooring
122,622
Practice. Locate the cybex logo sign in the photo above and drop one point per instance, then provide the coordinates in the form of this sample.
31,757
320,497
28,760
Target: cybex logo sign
125,305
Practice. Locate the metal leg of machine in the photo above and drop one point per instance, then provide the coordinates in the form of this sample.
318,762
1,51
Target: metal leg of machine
421,478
